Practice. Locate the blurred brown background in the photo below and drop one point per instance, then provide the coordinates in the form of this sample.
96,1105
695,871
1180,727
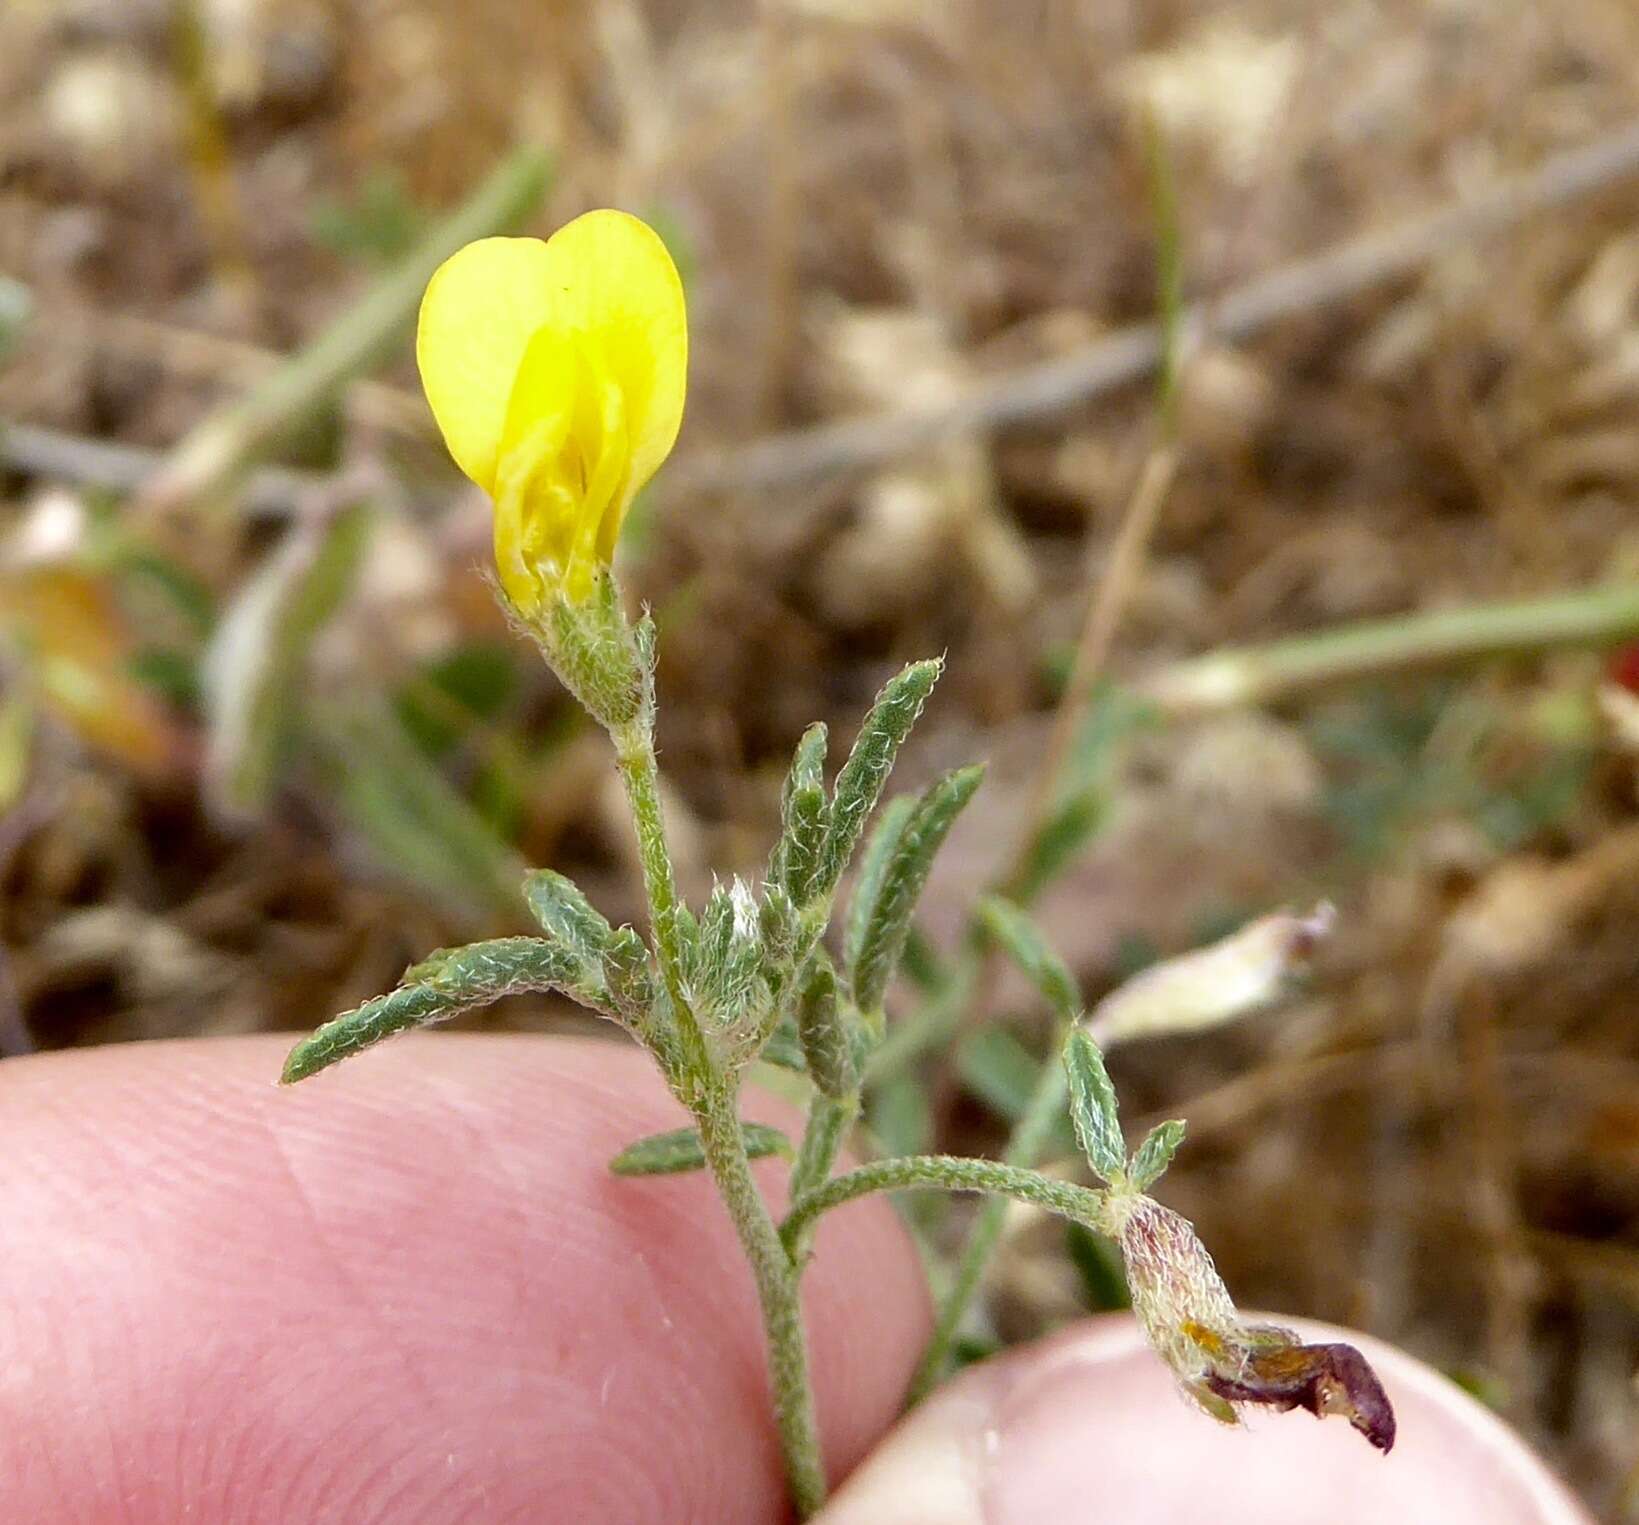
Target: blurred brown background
264,739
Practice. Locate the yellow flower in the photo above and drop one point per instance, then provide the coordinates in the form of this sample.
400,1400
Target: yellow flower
556,372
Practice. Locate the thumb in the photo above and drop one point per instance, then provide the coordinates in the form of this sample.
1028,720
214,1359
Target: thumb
1087,1427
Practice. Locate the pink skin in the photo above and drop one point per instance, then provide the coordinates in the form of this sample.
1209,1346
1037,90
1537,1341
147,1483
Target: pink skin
408,1291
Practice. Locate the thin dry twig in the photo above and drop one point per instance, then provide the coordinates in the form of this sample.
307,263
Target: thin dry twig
1054,386
1110,599
108,466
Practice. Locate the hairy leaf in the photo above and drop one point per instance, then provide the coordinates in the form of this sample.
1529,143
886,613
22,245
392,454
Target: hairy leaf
1024,942
823,1030
1093,1107
1151,1158
448,983
804,838
567,915
859,784
803,815
901,882
879,853
664,1154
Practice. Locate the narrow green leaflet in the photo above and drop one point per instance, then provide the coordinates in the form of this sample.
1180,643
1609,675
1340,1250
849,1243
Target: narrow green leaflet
629,975
1093,1108
859,784
803,816
663,1154
1073,823
566,915
448,983
879,853
1023,942
777,919
901,882
800,847
824,1035
998,1069
614,975
808,762
1151,1158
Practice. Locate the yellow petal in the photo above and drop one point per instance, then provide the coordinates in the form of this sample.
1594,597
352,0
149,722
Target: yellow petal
481,308
534,497
619,289
557,374
562,472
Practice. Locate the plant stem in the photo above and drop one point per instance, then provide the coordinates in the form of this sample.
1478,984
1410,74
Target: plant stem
1030,1136
776,1278
829,1119
640,773
1111,596
946,1172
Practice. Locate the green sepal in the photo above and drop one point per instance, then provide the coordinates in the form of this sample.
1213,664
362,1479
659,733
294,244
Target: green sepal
596,654
727,963
899,885
663,1154
1151,1158
716,935
442,986
823,1030
1093,1108
860,782
1023,941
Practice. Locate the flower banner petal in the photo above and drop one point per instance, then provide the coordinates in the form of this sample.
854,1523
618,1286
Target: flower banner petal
619,289
481,309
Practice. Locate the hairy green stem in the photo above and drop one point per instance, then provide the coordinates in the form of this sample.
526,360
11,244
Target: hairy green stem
1024,1148
828,1122
947,1172
776,1278
712,1100
640,773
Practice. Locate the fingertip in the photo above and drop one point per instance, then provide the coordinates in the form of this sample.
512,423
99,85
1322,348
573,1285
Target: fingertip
406,1288
1088,1427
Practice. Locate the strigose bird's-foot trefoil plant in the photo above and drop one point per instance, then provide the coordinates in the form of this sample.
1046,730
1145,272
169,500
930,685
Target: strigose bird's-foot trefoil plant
556,372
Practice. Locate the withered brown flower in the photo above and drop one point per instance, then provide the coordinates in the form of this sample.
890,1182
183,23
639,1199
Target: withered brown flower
1220,1360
